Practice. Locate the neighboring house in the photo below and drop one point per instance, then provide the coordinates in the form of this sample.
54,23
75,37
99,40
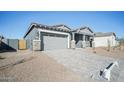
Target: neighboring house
104,39
43,37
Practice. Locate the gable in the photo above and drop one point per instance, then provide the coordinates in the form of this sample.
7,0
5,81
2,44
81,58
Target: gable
85,30
62,27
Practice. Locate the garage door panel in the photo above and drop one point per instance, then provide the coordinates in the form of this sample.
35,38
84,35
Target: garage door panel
55,42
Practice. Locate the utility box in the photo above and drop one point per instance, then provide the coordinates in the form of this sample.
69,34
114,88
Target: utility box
36,45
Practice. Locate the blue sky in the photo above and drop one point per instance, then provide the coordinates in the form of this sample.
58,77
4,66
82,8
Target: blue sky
15,24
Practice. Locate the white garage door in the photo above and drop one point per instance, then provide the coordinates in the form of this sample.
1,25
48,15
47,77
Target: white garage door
54,41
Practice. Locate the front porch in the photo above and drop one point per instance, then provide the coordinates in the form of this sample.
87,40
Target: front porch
82,40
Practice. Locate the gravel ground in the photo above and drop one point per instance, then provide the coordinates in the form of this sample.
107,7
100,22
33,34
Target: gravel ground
87,64
60,65
36,67
116,54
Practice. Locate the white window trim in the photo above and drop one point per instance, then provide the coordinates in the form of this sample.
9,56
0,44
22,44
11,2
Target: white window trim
55,32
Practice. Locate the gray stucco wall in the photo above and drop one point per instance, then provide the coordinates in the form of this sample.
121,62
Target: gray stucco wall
30,37
9,44
13,43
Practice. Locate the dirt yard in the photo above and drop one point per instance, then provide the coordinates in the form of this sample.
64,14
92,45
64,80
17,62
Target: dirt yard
33,66
114,53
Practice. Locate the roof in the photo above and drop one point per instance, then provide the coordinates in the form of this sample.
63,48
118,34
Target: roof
54,28
62,25
100,34
83,31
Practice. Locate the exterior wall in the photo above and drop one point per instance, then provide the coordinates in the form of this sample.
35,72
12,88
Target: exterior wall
13,44
103,41
30,37
9,44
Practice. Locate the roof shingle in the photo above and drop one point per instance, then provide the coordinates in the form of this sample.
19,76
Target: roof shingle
100,34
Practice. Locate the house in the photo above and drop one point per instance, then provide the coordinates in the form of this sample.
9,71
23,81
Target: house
44,37
105,39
